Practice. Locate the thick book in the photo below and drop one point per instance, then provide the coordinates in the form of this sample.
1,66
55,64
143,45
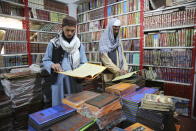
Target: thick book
47,117
76,100
102,100
85,70
75,122
121,88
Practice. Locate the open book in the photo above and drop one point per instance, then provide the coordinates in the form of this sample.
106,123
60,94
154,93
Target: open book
124,76
85,70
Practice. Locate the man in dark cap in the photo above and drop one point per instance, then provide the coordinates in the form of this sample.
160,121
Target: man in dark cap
64,52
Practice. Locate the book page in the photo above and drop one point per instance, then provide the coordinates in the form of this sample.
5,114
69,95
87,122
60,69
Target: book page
85,70
124,76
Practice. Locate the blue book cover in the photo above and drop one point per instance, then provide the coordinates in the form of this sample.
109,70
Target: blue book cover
109,10
125,7
50,114
138,95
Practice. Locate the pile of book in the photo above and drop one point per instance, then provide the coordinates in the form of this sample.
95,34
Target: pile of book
5,113
103,104
60,117
132,101
24,91
157,102
157,120
106,108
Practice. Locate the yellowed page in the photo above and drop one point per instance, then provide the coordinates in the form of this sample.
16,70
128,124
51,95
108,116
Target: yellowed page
124,76
85,70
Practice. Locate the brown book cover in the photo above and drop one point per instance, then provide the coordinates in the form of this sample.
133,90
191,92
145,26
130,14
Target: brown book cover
98,113
76,100
72,123
138,126
102,100
121,88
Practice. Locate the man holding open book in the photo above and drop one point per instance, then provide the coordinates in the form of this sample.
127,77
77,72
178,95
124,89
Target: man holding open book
111,50
63,53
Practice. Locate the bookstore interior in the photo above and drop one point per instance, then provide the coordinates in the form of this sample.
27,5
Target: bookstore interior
97,65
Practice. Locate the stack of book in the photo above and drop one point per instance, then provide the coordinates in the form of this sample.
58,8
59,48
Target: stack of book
43,119
111,119
78,99
157,102
102,105
24,91
131,102
5,113
157,120
121,89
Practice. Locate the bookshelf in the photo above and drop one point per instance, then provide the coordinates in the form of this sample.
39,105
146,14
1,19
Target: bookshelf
38,22
91,22
170,46
91,27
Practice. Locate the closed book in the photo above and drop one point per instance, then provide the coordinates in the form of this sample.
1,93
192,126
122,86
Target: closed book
121,88
76,100
102,100
75,122
48,117
97,112
138,127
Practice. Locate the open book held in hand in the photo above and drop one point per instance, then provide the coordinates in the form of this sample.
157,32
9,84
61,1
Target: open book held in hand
124,76
85,70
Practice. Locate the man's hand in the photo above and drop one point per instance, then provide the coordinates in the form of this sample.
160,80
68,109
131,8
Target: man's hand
123,72
56,67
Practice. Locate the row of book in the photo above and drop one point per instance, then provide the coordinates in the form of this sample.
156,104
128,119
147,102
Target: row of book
6,8
42,37
133,18
179,91
170,74
164,57
146,5
133,5
94,57
129,32
36,3
175,18
89,5
91,26
97,14
91,46
14,35
88,37
132,58
38,48
117,9
7,61
184,37
46,27
13,48
45,15
48,5
131,45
